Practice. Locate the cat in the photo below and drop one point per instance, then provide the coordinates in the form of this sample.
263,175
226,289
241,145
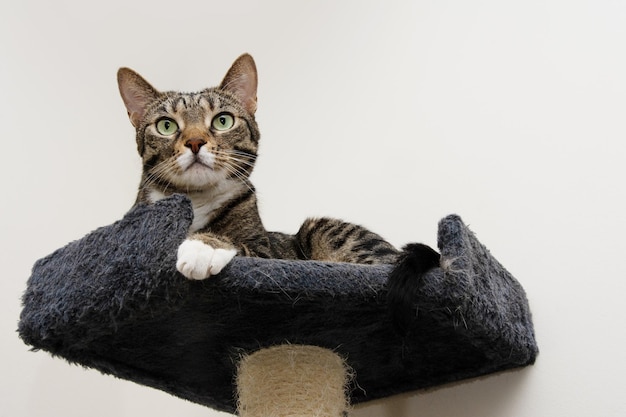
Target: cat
204,145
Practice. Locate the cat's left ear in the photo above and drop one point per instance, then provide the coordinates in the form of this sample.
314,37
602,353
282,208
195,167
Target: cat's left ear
137,94
241,80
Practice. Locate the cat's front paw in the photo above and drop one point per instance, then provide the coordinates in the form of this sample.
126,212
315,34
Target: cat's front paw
197,260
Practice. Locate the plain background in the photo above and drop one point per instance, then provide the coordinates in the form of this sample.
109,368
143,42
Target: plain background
391,114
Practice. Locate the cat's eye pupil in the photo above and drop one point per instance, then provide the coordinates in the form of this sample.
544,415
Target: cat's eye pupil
223,121
166,127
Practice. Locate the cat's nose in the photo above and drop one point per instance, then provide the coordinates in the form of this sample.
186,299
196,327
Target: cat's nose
195,144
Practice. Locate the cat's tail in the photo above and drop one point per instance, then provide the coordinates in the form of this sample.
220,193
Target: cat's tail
414,262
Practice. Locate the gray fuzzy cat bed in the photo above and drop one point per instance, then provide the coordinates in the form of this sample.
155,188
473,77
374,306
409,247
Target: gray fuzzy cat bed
114,301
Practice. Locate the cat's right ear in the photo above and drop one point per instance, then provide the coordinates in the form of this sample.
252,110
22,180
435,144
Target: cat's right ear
136,92
241,80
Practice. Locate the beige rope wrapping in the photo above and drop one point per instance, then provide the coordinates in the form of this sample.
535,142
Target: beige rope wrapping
292,381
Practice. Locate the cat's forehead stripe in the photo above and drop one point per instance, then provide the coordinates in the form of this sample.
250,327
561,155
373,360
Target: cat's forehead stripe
187,101
206,102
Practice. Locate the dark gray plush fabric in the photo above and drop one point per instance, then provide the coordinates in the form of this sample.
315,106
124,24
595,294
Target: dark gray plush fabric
114,301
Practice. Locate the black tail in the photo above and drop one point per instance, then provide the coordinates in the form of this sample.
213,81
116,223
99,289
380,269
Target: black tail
405,278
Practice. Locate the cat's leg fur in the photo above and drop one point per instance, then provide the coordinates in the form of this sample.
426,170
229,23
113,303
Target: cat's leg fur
337,241
333,240
202,255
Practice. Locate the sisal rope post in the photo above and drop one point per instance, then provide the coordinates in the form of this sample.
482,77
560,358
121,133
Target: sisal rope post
292,381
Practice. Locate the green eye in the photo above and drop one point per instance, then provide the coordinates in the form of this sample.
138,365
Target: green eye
223,121
167,127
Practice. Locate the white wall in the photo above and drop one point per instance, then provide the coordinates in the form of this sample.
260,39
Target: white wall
508,113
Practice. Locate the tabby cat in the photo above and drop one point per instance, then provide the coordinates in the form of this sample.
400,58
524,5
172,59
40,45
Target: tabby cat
204,145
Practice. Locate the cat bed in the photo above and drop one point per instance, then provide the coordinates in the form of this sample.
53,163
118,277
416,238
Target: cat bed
114,301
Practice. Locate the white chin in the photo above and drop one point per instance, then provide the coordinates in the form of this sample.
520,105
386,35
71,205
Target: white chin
199,176
198,173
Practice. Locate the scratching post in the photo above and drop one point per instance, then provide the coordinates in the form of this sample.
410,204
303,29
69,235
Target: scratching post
292,380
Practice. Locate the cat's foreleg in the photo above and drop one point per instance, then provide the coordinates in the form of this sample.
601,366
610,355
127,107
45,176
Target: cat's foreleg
202,255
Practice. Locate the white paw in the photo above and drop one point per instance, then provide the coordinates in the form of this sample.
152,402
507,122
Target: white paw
197,260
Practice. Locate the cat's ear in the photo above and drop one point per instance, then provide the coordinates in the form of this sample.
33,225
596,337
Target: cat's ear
136,92
241,80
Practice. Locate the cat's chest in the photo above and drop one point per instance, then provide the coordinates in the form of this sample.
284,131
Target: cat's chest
205,204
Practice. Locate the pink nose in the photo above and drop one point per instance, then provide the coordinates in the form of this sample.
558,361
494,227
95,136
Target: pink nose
195,145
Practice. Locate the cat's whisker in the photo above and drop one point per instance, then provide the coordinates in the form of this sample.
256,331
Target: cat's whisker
237,174
242,166
233,169
237,156
158,173
242,153
240,163
243,162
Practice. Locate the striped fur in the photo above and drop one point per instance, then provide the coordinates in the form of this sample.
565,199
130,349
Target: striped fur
213,166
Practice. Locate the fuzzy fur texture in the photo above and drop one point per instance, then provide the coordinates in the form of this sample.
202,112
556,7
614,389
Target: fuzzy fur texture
114,301
204,145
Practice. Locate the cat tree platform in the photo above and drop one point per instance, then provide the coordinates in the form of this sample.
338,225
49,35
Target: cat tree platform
114,301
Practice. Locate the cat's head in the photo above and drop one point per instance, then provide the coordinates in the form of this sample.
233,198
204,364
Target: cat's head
195,141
